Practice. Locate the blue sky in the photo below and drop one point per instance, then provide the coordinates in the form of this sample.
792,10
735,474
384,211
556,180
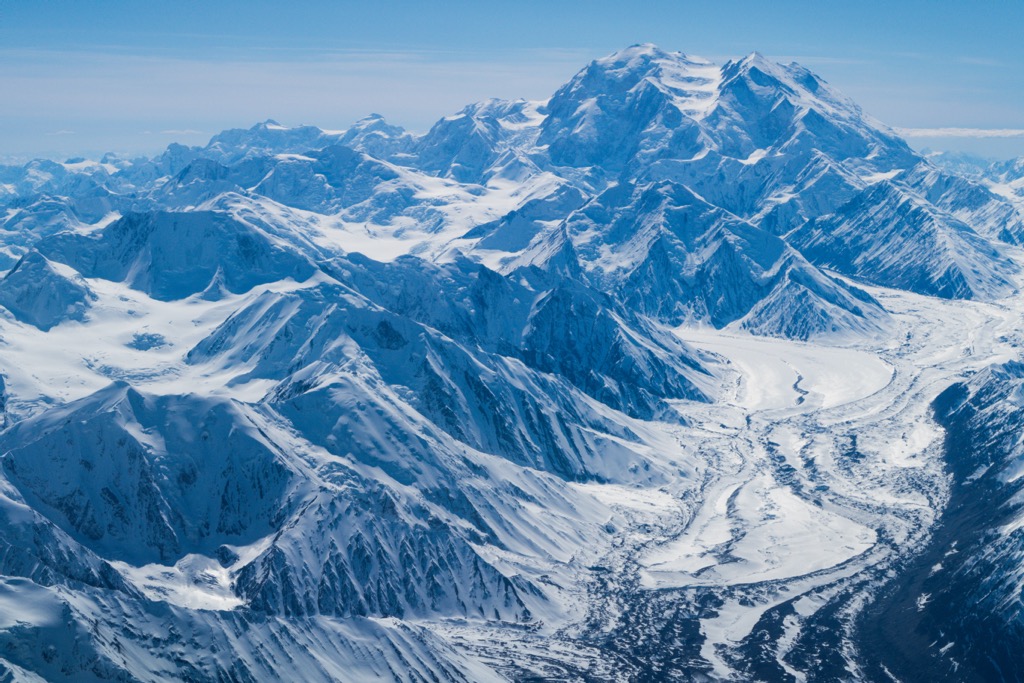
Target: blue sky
84,76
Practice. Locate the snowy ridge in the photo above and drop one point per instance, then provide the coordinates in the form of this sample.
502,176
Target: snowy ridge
175,255
37,292
676,257
925,250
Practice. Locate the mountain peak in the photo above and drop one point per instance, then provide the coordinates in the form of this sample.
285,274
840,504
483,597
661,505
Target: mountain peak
691,82
374,135
756,61
373,122
269,124
594,118
635,51
755,57
646,57
756,88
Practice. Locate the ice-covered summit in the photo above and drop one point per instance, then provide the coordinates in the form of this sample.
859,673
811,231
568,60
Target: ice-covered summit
691,82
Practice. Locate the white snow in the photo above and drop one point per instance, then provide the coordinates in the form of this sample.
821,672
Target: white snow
24,603
194,582
756,532
873,178
778,374
754,157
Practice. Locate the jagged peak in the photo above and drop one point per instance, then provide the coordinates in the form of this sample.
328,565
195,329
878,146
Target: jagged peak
31,260
667,194
756,62
688,83
373,120
804,89
270,124
373,123
756,59
646,62
492,107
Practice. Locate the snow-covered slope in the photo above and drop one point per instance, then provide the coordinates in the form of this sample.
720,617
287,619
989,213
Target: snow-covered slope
265,139
670,254
43,294
1006,179
480,142
172,255
109,471
959,605
887,236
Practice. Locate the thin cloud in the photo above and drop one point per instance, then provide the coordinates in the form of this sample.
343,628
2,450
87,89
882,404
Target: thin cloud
153,93
62,132
820,60
980,61
961,132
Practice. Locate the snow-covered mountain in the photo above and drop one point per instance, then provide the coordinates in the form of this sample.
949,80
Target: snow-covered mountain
674,256
633,383
892,238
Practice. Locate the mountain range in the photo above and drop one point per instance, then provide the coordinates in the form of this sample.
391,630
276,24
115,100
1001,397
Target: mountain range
677,374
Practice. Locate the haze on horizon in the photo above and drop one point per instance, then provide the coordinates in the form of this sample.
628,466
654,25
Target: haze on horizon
83,78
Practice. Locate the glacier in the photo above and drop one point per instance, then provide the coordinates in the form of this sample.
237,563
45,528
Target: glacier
688,372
